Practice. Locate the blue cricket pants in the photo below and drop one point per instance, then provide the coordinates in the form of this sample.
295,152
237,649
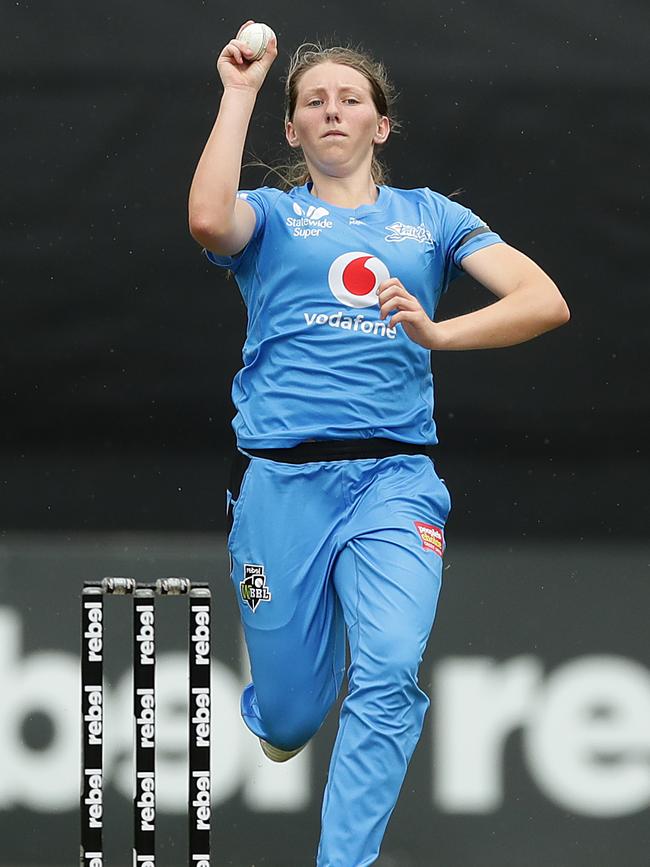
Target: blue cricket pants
316,549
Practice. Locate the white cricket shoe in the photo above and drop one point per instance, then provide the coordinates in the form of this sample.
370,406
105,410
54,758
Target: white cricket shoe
278,755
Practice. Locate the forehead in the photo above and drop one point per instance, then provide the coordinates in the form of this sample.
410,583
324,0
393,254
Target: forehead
329,75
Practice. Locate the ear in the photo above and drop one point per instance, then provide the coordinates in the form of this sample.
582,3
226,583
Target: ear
291,135
383,130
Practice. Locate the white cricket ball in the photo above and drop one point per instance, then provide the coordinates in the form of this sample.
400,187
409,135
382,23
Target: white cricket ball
257,37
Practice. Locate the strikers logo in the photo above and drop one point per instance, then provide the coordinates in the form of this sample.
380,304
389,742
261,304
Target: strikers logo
253,587
432,537
354,278
401,232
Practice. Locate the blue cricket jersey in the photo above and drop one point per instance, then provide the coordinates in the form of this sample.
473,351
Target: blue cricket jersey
318,361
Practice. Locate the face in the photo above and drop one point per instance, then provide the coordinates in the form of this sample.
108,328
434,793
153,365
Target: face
335,121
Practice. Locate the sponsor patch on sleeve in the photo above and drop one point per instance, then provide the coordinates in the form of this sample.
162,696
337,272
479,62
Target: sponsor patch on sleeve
433,538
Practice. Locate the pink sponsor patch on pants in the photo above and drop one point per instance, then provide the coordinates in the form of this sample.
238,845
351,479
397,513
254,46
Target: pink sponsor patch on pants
433,538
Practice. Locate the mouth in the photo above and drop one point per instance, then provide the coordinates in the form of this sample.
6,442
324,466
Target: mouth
334,132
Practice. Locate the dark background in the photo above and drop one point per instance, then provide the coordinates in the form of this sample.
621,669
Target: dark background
120,341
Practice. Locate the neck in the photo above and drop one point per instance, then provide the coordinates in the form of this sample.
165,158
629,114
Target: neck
346,192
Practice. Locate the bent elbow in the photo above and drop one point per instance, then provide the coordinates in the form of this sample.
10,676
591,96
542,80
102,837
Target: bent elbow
556,310
204,231
561,313
199,227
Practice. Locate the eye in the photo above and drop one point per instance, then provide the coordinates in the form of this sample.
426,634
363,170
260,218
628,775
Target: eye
315,101
352,99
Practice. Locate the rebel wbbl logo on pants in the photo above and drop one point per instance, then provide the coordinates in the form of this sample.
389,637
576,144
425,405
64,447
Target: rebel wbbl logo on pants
253,587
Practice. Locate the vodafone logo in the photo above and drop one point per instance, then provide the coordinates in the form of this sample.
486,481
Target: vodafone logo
354,277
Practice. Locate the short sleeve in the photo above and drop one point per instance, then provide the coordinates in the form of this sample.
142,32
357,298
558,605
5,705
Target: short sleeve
461,233
258,200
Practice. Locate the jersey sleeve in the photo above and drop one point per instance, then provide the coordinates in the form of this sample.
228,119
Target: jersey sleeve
461,233
259,202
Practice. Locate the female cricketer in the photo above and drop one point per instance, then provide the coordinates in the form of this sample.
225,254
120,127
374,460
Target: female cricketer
336,512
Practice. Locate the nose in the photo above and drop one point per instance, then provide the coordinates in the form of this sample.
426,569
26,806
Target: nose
332,109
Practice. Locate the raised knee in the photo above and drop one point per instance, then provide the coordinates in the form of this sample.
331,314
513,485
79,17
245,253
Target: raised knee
290,732
290,717
289,724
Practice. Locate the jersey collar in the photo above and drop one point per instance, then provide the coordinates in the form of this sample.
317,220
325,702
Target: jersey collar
378,205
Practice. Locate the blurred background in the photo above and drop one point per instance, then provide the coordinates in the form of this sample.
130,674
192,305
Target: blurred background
119,346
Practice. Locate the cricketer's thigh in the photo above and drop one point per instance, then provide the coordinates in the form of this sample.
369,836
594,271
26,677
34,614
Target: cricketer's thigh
282,545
